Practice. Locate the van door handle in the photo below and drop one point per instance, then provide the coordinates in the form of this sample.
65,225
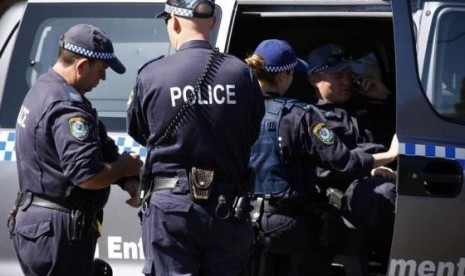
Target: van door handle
441,178
429,176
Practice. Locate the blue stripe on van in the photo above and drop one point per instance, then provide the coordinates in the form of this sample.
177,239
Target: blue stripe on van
429,150
123,141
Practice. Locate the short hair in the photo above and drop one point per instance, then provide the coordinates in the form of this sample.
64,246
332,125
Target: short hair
68,58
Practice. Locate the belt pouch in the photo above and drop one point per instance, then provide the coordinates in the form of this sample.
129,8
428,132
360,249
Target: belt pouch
201,183
76,227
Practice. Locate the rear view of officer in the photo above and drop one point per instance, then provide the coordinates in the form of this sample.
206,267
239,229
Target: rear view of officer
198,112
66,161
282,158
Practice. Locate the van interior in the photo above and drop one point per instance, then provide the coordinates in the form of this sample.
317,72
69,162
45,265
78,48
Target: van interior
366,39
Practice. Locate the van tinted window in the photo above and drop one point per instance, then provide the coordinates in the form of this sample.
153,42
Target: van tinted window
136,35
446,90
136,40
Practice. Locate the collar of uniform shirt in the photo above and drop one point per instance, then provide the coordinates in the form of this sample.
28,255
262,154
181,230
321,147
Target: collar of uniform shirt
269,95
195,44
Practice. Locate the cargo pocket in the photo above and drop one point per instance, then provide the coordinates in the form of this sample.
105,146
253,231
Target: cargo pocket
32,238
169,204
172,218
148,268
35,230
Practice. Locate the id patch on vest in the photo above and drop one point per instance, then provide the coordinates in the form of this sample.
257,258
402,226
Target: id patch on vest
324,134
79,128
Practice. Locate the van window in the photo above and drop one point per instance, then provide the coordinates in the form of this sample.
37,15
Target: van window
135,41
136,35
447,88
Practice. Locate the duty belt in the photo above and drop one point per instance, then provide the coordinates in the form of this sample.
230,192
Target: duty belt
42,202
287,208
169,182
163,183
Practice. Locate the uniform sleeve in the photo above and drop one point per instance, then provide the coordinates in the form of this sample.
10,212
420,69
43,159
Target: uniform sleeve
75,133
136,124
329,151
110,151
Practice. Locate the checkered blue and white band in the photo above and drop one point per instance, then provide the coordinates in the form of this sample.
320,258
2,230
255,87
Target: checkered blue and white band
317,69
179,11
88,53
283,68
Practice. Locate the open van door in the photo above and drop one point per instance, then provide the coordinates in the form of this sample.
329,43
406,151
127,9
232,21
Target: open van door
227,10
429,235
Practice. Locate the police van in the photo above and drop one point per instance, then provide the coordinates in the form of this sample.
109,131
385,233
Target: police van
418,47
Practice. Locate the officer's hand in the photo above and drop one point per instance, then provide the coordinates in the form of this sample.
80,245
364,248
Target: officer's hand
383,172
131,164
131,185
372,87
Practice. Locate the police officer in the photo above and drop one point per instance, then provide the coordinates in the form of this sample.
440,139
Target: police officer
370,195
361,94
291,210
66,161
198,112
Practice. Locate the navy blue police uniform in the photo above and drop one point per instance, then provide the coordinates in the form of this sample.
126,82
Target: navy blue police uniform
181,235
290,211
370,201
376,118
294,206
60,143
347,129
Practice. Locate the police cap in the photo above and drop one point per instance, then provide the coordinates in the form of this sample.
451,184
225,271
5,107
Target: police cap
328,58
91,42
279,56
189,8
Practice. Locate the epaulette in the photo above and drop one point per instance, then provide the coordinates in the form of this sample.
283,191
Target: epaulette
148,62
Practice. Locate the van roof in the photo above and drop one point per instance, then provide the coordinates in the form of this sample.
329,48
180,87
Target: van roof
317,2
96,1
251,2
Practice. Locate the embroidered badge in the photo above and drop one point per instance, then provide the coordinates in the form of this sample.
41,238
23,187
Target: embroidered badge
78,127
323,133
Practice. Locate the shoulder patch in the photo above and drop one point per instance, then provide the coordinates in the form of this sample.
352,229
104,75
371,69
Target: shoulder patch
78,127
148,62
323,133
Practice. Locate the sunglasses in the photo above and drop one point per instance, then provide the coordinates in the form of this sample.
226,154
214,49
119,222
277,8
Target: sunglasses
335,59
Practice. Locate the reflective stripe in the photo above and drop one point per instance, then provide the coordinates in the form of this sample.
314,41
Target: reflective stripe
429,150
126,143
7,144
